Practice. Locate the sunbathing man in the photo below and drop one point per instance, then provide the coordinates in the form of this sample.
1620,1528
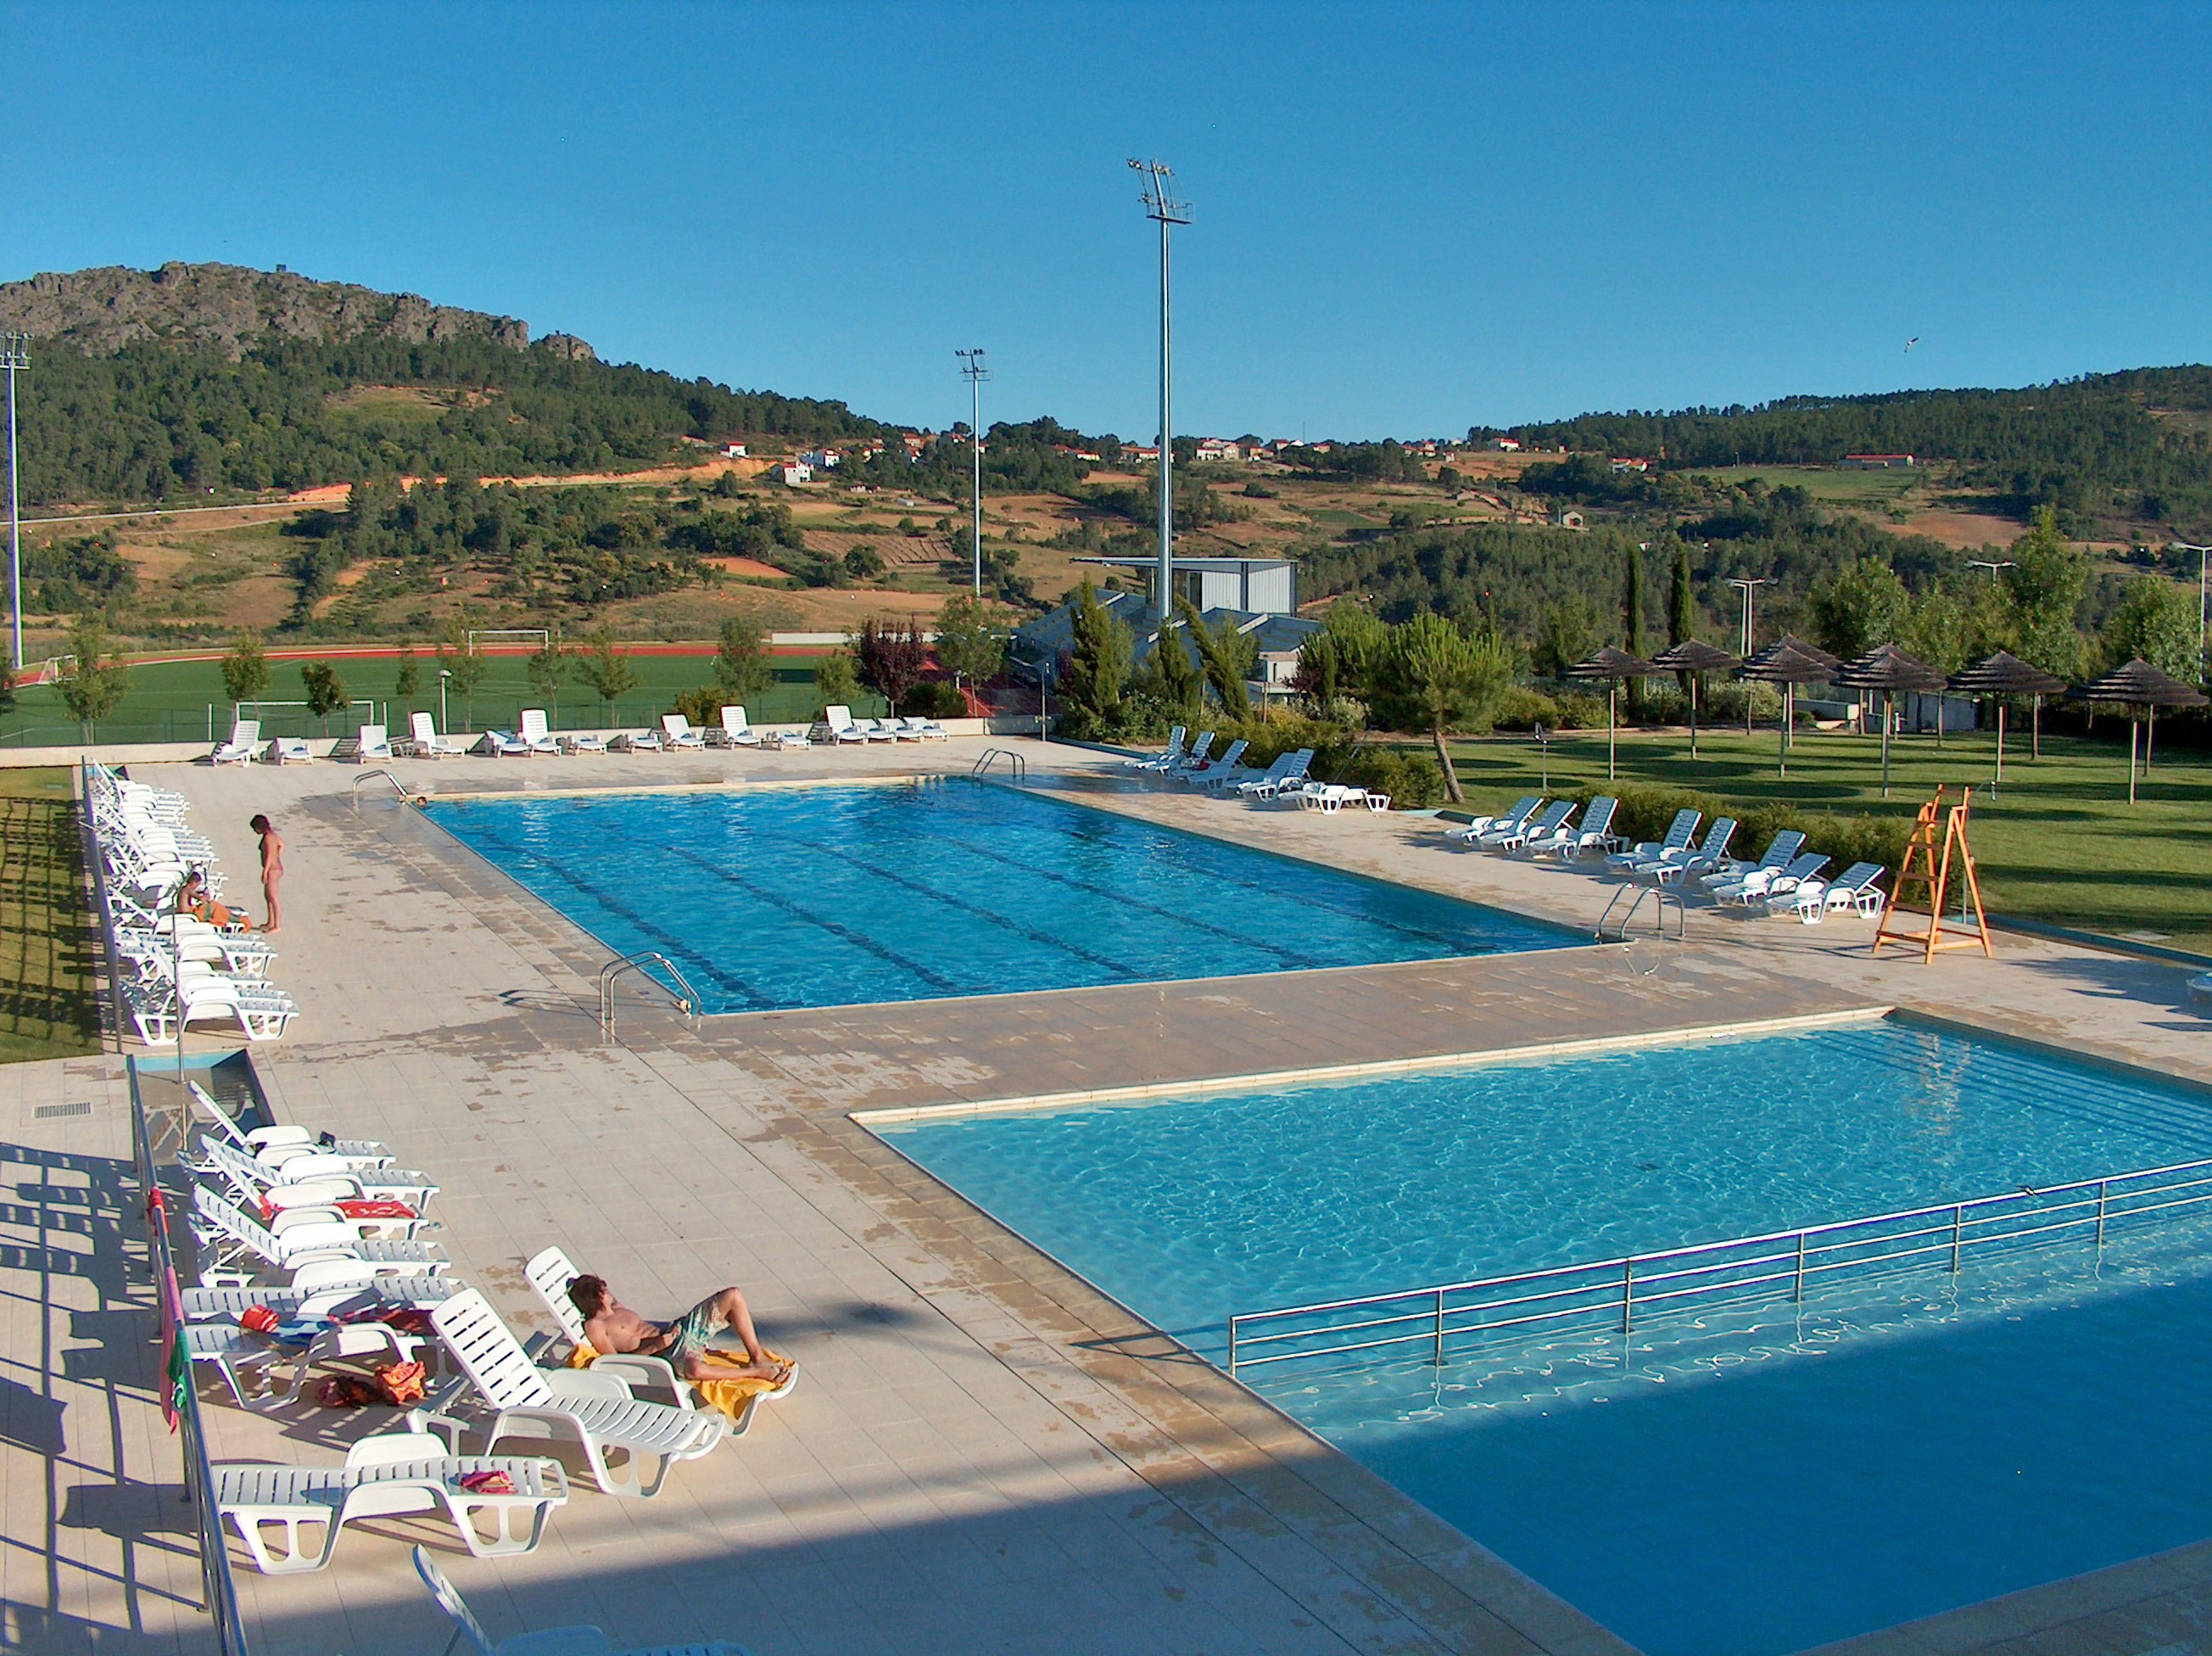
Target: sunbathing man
611,1326
192,898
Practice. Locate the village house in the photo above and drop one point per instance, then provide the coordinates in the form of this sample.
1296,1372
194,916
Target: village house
734,450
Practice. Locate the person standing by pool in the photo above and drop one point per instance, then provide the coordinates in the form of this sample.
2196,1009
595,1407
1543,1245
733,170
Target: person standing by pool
272,867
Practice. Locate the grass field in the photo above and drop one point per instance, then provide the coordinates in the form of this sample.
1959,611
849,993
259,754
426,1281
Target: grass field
2059,843
1840,488
181,701
48,1008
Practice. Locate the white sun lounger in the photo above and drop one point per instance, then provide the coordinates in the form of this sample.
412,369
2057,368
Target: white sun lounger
928,730
1780,851
1683,830
535,734
1854,888
1166,756
734,731
1198,771
546,1642
391,1473
245,737
323,1287
423,741
370,745
238,1355
287,750
1672,869
1521,810
1288,771
1595,833
596,1412
1753,889
1546,823
838,721
254,1176
676,732
362,1152
231,1233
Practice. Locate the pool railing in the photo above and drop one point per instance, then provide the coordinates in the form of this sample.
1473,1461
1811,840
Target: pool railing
1609,1295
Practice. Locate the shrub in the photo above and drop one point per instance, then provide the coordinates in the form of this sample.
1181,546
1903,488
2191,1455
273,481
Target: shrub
702,706
1523,708
1579,711
1645,814
1723,703
936,699
1412,779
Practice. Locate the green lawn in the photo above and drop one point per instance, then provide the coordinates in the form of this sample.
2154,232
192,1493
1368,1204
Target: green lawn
1849,488
182,700
48,1008
2060,841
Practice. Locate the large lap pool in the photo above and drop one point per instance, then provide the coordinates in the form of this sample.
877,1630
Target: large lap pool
1743,1485
811,897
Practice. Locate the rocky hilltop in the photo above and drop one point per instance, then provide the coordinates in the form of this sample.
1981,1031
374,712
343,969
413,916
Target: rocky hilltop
233,309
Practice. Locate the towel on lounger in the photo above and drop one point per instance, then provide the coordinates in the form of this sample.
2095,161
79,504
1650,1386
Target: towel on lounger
729,1396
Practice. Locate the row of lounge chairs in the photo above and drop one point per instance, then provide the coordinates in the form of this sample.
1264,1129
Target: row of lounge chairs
1284,782
1784,880
175,969
317,1254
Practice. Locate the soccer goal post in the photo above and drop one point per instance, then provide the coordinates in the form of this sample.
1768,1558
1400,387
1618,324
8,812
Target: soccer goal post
51,671
542,636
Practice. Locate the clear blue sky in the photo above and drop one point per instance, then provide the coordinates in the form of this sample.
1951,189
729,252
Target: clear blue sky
1409,218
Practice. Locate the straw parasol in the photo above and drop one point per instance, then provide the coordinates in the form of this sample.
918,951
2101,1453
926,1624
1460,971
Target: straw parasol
1692,657
2140,685
1612,666
2005,674
1784,663
1888,669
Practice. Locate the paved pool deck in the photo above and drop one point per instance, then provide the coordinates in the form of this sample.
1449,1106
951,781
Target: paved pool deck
983,1453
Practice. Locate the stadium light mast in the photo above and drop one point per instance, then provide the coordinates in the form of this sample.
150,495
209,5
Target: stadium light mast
972,368
15,352
1162,207
2203,552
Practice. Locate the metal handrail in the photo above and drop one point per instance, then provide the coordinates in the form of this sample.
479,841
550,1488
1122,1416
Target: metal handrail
687,1003
371,775
1638,893
1016,765
1613,1291
218,1589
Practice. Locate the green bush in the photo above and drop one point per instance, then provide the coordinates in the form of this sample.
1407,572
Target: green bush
1579,711
1645,814
935,699
1523,708
1411,778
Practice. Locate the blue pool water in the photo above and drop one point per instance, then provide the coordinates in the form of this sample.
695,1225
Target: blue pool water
834,896
1740,1486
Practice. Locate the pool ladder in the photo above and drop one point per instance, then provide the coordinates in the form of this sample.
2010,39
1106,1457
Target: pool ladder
371,775
1610,932
1017,766
687,1003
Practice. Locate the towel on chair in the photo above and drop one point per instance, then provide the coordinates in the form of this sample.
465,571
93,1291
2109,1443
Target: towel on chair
730,1396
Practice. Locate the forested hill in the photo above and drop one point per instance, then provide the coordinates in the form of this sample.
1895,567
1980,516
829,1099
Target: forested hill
2130,446
149,386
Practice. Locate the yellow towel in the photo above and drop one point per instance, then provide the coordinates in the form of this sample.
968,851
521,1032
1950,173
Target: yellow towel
729,1396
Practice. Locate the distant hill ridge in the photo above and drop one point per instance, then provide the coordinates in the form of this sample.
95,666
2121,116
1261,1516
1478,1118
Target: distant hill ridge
232,309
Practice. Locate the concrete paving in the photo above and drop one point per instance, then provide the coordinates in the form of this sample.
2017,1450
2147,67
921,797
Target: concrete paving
983,1453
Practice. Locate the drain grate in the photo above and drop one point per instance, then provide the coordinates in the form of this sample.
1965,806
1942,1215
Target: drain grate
48,1111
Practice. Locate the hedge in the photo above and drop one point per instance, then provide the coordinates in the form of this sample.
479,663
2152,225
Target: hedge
1645,814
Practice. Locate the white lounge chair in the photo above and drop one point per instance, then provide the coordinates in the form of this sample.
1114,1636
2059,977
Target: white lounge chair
360,1153
373,745
794,737
1548,821
254,1176
1287,774
390,1473
1780,851
1674,869
734,730
535,734
928,730
1521,810
323,1287
1753,889
425,743
1193,758
522,1400
1595,833
245,737
676,732
155,1005
1854,888
1683,830
550,1271
1171,754
635,741
287,750
1203,769
500,744
239,1356
838,721
548,1641
230,1233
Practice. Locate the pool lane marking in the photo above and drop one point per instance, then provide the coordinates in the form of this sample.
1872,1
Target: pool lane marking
675,945
1104,963
1189,921
893,1115
857,939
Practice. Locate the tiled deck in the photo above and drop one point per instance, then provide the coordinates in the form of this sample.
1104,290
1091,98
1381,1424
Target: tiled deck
983,1454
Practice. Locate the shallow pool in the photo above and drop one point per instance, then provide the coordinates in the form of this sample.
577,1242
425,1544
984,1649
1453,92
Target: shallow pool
1750,1482
812,897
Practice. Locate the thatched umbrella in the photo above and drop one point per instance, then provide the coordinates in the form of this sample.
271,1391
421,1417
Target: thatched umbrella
1889,669
1783,663
2140,685
2005,674
1612,666
1692,657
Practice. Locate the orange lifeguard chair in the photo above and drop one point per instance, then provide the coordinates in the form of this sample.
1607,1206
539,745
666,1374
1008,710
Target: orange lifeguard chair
1936,854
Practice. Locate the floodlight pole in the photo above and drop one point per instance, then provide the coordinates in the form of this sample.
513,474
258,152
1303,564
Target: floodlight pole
2200,551
1163,209
15,352
1745,584
971,366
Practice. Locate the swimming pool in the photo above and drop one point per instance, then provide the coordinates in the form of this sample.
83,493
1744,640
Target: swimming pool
811,897
1882,1454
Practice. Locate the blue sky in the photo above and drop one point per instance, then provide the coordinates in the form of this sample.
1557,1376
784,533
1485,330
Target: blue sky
1409,219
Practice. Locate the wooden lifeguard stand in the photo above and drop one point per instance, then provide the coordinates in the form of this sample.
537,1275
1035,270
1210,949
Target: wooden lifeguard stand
1937,854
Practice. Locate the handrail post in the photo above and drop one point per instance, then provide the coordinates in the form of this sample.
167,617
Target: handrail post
1627,1297
2101,1184
1439,1358
1232,1348
1797,1294
1958,1234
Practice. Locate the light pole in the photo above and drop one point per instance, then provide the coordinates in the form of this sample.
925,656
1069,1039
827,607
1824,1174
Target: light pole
444,673
15,352
1163,209
2186,546
971,366
1747,585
